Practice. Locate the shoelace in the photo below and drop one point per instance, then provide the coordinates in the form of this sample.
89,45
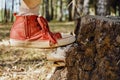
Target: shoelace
44,25
28,25
27,29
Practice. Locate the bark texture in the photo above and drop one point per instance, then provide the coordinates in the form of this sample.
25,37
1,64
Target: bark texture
96,53
60,74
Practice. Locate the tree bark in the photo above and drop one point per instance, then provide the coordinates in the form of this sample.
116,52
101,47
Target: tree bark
96,53
60,74
95,56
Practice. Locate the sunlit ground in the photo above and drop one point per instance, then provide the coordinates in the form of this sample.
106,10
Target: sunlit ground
26,63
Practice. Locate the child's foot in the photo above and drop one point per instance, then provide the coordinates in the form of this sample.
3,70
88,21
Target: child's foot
33,31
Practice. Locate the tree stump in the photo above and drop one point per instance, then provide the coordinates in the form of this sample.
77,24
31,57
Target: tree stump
96,53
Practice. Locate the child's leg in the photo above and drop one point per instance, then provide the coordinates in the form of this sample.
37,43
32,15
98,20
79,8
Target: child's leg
29,7
32,3
29,30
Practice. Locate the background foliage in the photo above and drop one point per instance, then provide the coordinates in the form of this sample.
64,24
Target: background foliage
63,10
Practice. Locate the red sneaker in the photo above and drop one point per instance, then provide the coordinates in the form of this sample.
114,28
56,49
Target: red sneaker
33,31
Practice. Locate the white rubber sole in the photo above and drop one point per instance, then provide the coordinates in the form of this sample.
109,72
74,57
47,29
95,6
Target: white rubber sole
66,39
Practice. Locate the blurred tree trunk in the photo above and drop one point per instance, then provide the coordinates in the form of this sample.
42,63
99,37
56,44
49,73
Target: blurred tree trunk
75,8
70,10
86,7
119,6
43,8
5,15
79,8
12,17
103,7
1,11
59,10
47,14
91,58
55,9
51,9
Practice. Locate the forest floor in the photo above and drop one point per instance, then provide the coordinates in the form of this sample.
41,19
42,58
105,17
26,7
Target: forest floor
28,63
